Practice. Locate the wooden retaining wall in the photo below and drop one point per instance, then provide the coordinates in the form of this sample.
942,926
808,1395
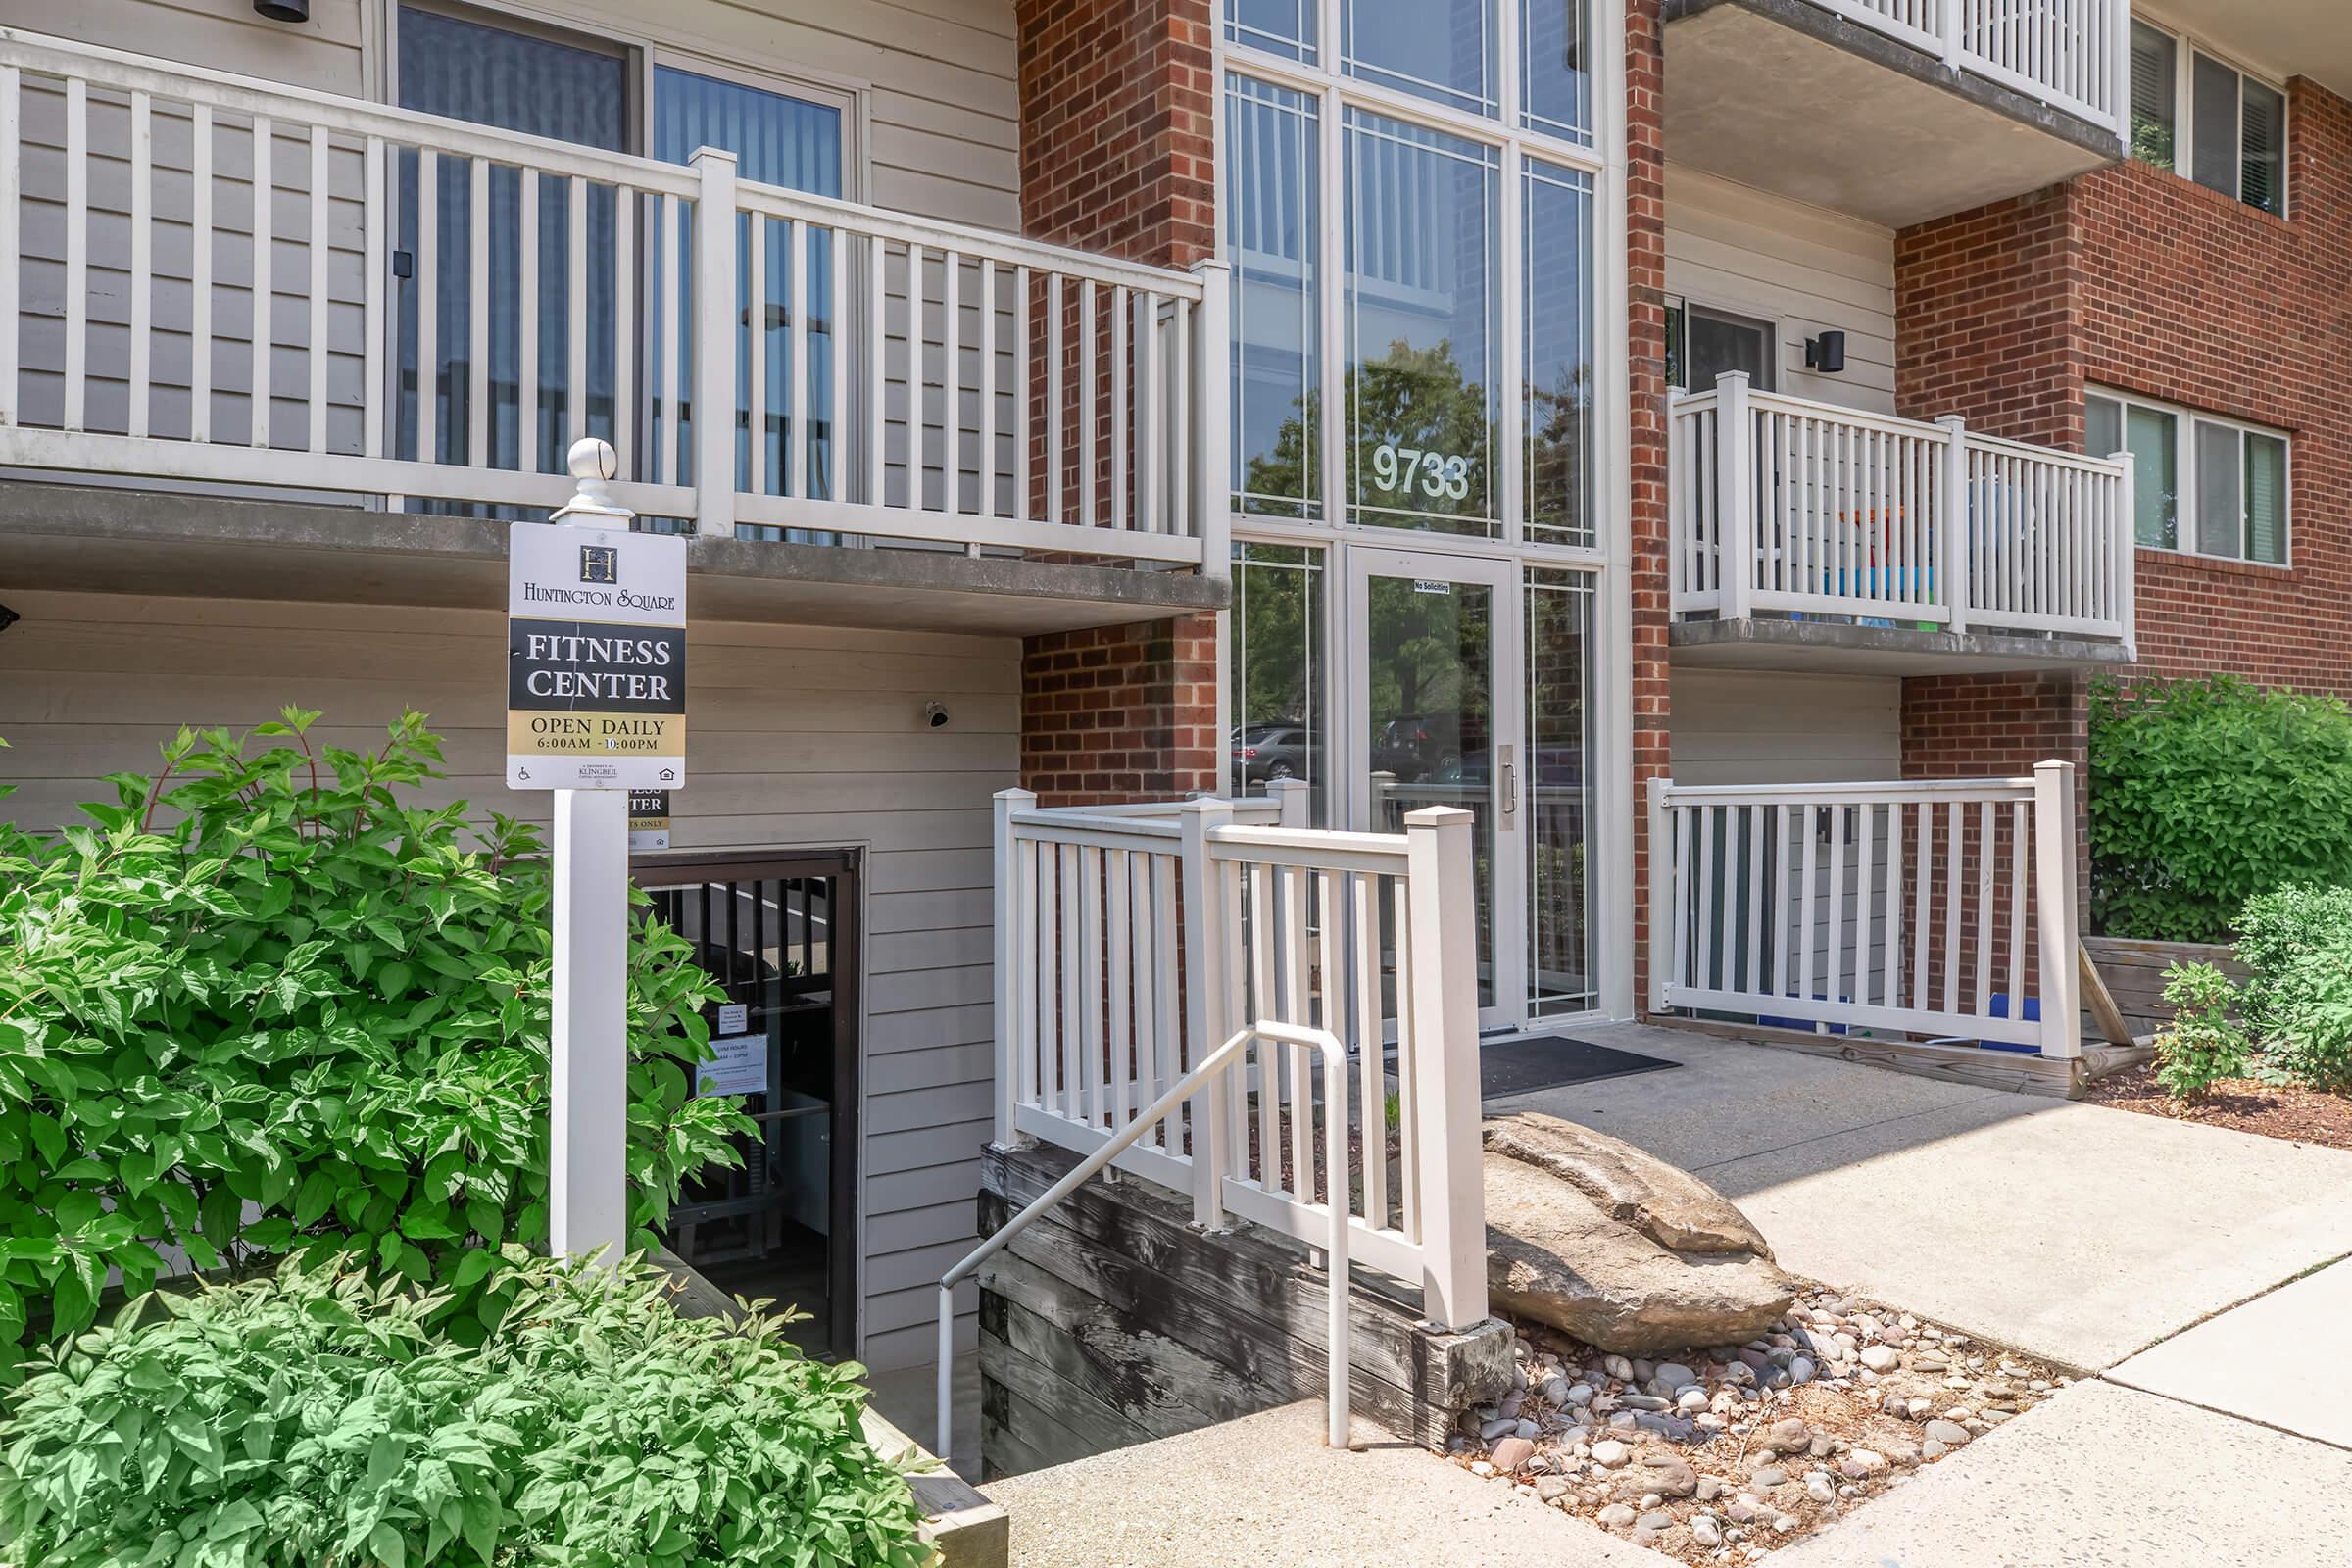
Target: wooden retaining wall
1109,1321
2133,971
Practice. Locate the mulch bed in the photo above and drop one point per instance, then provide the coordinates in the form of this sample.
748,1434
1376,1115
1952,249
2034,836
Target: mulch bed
2299,1115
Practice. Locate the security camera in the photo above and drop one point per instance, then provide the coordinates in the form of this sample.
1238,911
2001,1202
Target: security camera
935,714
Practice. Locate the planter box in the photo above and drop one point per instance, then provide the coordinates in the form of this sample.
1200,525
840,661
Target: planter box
2134,969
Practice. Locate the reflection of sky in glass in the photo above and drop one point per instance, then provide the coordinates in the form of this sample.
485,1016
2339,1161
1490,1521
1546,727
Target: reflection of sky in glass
1285,27
1273,227
1442,50
1557,414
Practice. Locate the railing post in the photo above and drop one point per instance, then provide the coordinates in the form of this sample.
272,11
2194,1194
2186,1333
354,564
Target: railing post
1205,1025
2054,907
2119,72
1213,480
1952,524
2126,552
1955,28
1017,928
1735,498
1445,1066
1294,795
714,318
1661,891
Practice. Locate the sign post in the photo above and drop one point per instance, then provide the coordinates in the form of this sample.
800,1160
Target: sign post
596,706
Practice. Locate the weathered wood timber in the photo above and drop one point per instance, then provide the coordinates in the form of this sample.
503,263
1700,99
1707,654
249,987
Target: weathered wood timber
2134,969
1110,1321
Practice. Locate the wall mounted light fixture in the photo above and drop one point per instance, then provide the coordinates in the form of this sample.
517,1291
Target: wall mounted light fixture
1826,352
284,10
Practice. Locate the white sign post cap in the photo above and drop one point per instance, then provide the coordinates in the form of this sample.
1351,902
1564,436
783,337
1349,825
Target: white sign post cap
594,466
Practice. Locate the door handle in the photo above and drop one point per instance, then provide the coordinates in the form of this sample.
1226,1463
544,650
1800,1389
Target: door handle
1506,770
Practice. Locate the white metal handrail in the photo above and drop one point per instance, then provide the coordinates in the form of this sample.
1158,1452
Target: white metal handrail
1940,907
1198,1085
1786,505
903,378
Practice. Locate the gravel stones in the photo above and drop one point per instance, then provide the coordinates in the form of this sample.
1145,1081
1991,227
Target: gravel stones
1611,1453
1672,1477
1882,1357
1789,1434
1951,1433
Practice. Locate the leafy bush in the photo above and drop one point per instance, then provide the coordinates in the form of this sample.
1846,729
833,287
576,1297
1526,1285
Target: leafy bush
260,1007
2202,1045
317,1419
2204,793
2296,943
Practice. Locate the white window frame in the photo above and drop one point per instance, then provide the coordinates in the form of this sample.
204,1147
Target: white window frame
2187,524
2187,48
1610,866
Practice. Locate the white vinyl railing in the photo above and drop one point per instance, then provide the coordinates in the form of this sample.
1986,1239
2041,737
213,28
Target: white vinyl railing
1132,942
433,310
1781,503
1942,909
2072,54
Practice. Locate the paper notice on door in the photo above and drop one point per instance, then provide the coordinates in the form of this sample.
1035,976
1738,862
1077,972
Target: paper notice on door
734,1017
738,1066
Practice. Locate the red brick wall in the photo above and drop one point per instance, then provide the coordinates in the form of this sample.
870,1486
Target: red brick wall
1646,343
1118,99
1120,712
2136,279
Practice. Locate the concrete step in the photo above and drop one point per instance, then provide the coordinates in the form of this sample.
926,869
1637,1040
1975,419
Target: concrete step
1265,1492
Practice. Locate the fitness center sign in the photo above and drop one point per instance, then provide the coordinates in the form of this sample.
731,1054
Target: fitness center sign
595,660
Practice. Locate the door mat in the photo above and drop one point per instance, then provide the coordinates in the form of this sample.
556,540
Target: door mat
1551,1061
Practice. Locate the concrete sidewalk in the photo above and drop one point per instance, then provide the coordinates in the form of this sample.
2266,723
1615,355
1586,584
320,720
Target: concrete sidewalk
2076,1232
1265,1493
2272,1360
2109,1475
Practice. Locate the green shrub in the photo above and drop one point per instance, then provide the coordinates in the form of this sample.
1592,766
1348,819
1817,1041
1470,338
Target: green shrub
260,1007
2202,1045
2296,943
315,1420
2204,793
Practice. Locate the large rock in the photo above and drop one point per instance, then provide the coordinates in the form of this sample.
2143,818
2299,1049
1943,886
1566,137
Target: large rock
1556,1255
1665,1202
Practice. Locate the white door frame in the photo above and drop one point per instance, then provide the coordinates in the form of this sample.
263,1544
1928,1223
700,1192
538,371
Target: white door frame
1506,786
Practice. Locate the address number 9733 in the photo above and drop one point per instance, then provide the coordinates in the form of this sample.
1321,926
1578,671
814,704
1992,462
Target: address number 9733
1399,470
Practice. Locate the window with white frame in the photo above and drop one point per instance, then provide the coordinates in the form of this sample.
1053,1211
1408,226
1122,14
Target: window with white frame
2202,485
1410,219
2202,117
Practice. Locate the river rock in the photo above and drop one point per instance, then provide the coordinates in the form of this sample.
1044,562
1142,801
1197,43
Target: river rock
1555,1256
1663,1201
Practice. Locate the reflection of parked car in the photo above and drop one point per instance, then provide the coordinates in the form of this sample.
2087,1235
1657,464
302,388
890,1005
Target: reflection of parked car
1422,746
1283,749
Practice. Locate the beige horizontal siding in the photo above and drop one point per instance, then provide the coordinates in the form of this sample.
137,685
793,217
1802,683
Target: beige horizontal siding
1801,268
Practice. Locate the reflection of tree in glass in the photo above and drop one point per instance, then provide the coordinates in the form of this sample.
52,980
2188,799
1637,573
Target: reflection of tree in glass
1410,399
1430,661
1559,423
1278,637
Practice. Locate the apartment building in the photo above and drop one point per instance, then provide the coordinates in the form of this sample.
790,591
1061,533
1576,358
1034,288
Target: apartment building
1513,405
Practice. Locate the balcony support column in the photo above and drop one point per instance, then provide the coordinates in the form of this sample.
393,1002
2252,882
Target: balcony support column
1951,525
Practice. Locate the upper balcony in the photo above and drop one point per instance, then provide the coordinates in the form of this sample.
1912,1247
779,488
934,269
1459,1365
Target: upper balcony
1897,111
1808,536
917,421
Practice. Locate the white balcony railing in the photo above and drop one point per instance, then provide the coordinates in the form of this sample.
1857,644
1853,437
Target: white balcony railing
1942,909
1132,942
1780,503
2072,54
443,308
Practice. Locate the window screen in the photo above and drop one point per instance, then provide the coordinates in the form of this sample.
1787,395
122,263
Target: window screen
2266,499
2214,100
2262,158
2219,523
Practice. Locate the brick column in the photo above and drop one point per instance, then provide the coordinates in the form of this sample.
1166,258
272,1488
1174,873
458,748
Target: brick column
1645,388
1118,99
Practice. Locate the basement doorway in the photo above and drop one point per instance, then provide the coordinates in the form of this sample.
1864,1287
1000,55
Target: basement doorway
780,935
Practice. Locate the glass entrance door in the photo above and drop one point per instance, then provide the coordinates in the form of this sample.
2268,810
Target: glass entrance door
1433,677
